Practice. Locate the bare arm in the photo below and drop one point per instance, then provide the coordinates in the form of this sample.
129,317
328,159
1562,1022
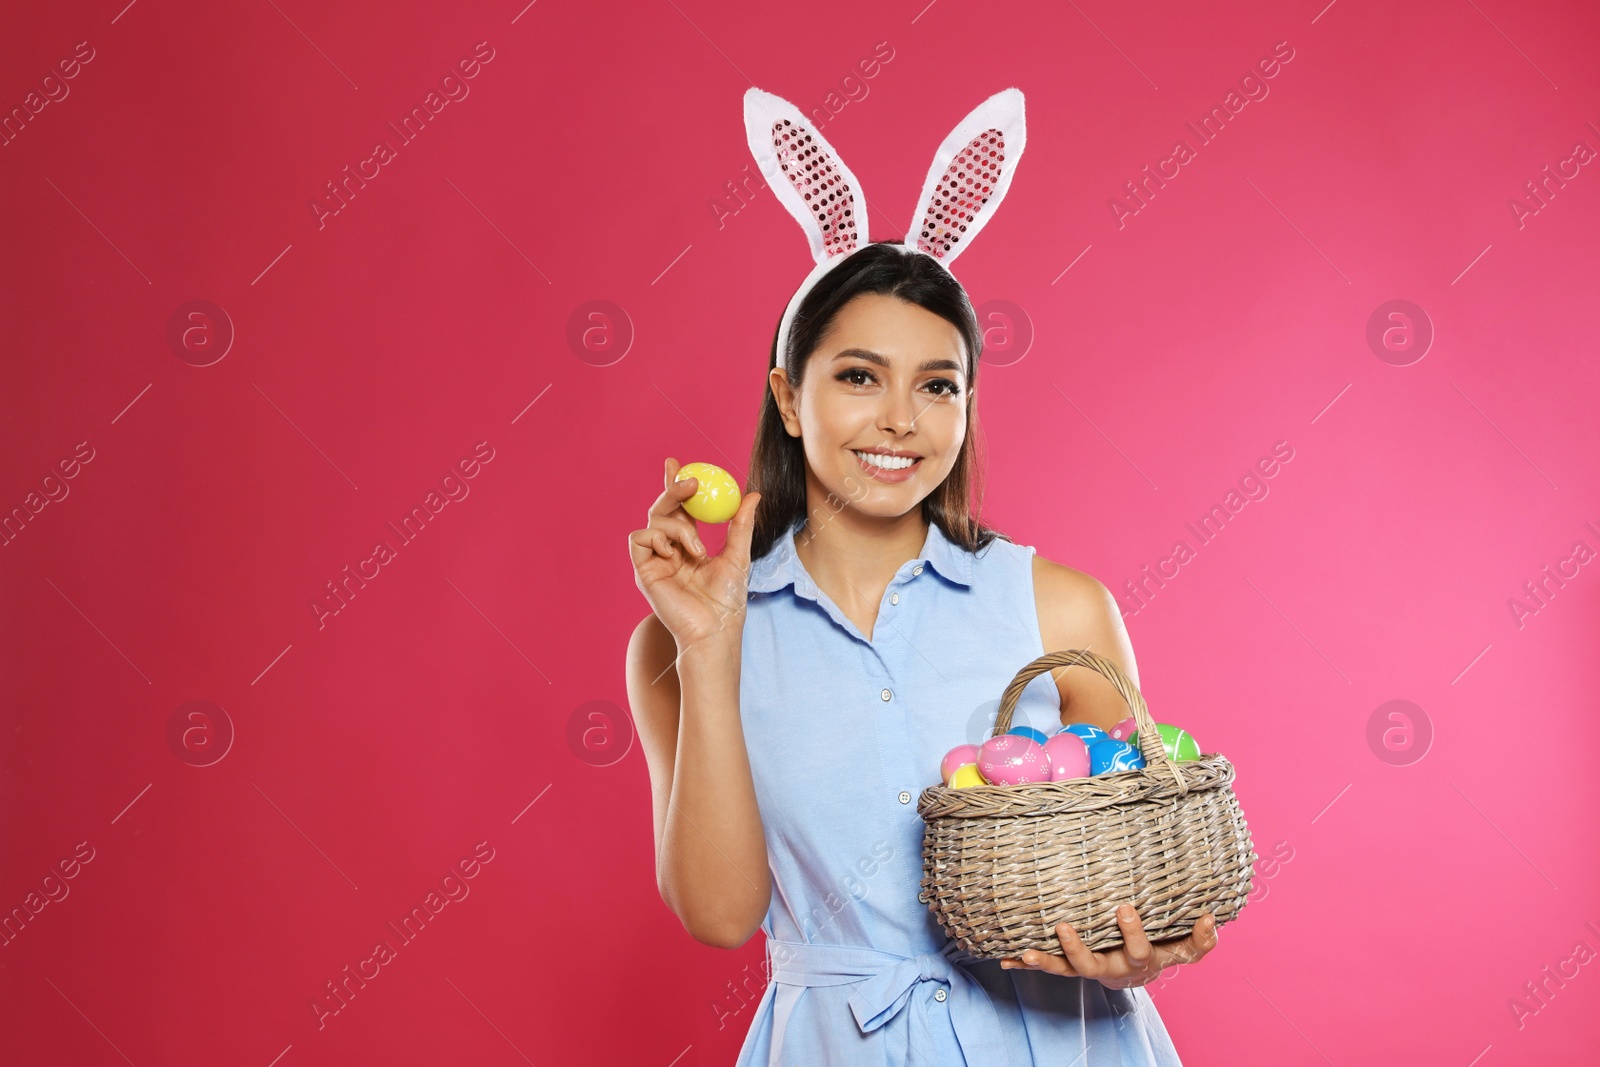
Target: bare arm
711,853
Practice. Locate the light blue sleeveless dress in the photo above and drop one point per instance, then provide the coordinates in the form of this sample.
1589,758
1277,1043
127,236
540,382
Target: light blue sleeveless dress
843,734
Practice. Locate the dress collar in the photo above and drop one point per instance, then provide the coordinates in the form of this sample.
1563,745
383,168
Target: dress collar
781,565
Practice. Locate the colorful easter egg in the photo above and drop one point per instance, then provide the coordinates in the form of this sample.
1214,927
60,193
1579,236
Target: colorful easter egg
966,776
1027,731
1068,755
716,496
1125,729
957,758
1090,734
1179,743
1110,755
1013,760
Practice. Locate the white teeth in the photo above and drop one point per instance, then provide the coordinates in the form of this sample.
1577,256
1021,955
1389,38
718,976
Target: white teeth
888,463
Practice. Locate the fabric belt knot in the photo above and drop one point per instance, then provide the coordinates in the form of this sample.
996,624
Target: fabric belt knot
885,982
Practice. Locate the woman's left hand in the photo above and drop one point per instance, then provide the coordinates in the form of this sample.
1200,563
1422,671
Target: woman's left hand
1135,963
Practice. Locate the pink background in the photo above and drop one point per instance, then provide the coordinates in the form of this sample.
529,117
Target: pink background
447,702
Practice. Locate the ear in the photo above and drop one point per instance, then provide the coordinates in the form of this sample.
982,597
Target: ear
784,395
969,177
806,175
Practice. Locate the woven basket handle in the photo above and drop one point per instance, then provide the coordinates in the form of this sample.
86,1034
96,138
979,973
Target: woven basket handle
1155,754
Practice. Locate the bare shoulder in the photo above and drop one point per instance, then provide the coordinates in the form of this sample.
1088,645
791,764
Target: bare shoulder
1064,587
1073,602
1076,610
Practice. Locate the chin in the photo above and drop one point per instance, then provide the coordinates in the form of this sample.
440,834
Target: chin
886,500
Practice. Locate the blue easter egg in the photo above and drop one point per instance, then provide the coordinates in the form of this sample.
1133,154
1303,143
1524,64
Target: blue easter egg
1029,732
1110,755
1090,734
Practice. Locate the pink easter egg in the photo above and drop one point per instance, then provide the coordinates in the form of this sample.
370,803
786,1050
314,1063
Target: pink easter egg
1124,729
957,758
1068,756
1012,759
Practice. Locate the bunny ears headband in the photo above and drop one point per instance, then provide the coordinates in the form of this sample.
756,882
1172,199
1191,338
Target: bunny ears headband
969,177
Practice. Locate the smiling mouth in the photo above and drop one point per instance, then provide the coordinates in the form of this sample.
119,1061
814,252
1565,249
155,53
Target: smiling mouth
888,463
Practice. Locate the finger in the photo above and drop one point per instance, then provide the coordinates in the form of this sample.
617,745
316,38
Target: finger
643,545
1084,961
1190,949
1048,962
1135,943
667,513
673,496
680,526
1201,940
1174,953
741,530
673,466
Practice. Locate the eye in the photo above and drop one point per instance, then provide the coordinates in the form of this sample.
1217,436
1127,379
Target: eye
848,375
952,390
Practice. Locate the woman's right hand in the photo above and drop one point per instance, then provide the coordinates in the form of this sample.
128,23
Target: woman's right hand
697,597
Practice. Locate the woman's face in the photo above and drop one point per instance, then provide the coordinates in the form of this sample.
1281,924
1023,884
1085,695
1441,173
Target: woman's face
882,409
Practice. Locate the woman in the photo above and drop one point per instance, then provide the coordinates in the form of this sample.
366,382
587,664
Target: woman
792,708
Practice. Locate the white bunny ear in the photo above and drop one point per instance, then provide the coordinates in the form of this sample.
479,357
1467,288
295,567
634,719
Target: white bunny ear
806,175
969,177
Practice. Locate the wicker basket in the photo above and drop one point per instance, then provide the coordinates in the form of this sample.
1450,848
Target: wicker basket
1003,864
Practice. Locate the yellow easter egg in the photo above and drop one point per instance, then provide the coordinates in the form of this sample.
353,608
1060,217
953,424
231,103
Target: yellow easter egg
966,775
716,498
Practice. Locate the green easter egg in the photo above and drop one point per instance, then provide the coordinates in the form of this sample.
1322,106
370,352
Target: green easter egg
1179,743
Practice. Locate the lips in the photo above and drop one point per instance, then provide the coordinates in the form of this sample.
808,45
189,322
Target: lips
893,461
887,467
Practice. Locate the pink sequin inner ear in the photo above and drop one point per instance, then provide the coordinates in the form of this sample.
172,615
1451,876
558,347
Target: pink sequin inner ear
819,184
963,190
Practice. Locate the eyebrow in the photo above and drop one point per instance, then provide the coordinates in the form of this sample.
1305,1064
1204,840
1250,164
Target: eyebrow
883,361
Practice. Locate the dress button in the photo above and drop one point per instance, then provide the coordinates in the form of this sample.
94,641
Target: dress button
917,569
887,694
939,996
894,598
905,798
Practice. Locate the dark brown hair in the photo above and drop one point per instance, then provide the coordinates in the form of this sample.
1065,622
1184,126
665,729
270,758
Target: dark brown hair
778,462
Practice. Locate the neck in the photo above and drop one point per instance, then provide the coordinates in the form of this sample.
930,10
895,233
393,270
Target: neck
854,556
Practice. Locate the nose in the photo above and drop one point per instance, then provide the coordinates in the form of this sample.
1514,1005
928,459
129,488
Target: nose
898,414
